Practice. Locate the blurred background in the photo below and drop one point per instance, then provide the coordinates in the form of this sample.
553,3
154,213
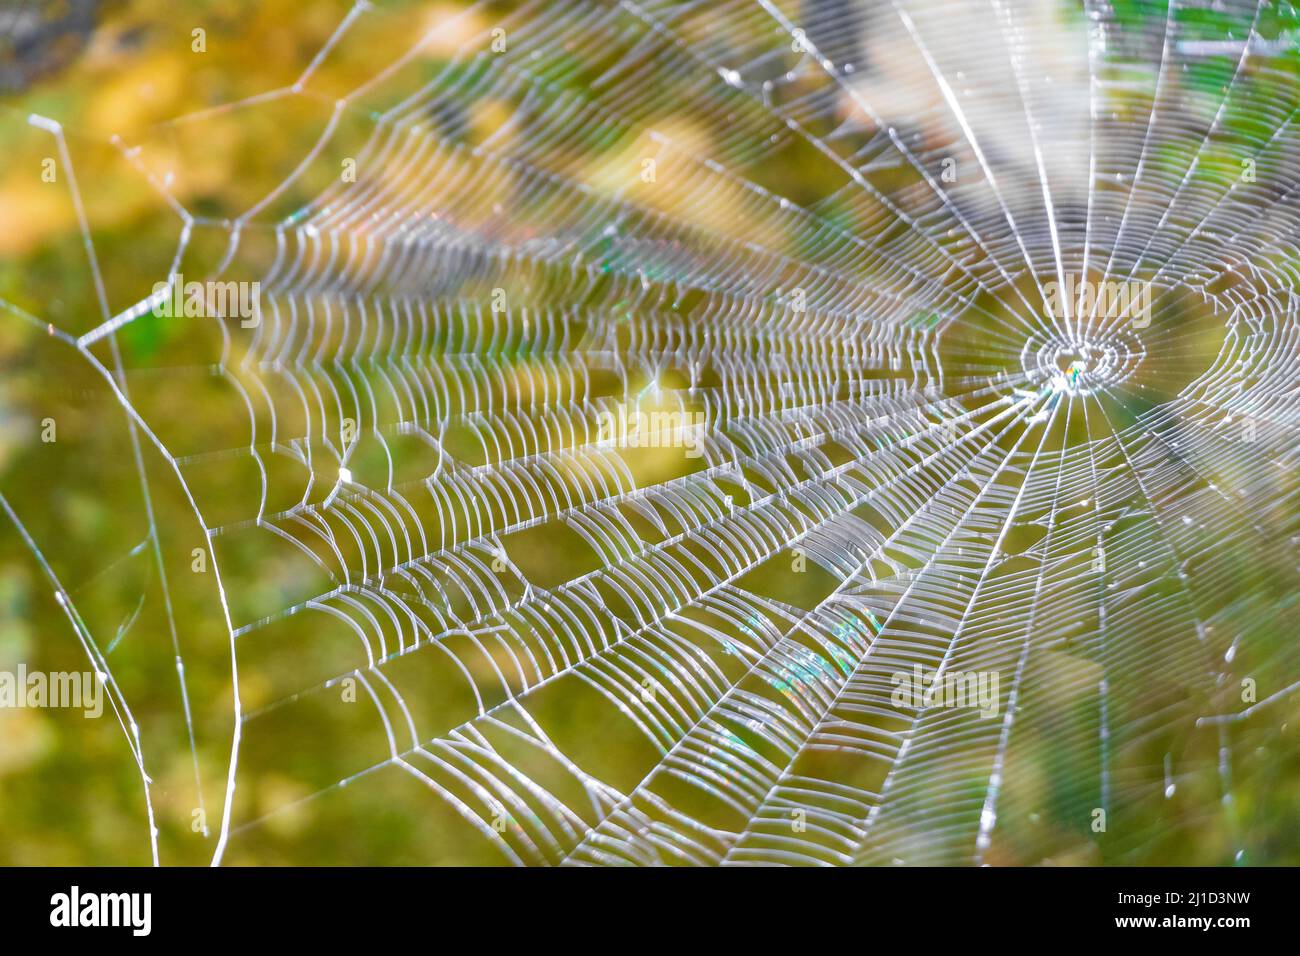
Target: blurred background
151,119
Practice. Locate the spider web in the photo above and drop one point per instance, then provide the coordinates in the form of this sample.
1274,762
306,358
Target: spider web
819,240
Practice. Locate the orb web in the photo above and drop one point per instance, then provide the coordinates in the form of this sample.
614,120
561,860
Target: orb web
642,394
